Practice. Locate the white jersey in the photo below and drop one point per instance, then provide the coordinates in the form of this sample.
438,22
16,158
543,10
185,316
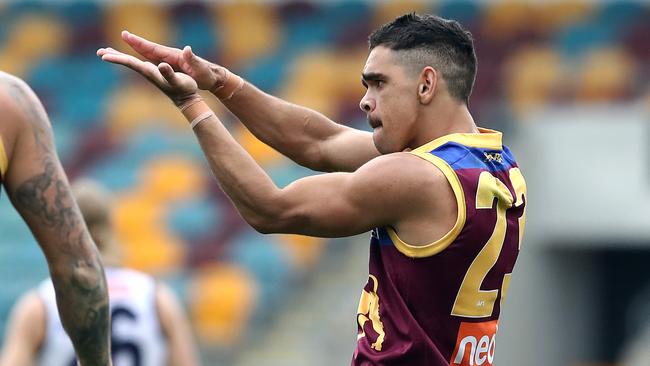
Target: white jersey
137,338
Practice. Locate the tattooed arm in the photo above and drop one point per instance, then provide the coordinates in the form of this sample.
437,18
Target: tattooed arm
39,190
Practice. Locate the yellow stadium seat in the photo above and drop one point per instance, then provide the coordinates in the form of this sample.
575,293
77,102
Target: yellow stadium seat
13,63
303,251
318,79
248,30
135,213
158,252
503,19
531,75
552,15
144,18
138,104
261,153
348,67
386,11
32,38
223,298
172,178
145,241
605,75
310,82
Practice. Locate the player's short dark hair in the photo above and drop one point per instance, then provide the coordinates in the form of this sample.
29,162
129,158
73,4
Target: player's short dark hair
429,40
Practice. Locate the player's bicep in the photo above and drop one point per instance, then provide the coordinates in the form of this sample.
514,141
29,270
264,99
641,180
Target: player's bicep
34,180
341,204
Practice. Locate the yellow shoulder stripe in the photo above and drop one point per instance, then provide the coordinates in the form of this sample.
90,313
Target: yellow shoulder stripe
439,245
3,158
487,139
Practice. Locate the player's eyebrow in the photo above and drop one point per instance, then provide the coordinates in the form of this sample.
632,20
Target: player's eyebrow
372,76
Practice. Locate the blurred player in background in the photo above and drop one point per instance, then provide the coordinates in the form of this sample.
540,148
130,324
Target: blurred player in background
148,323
38,188
443,198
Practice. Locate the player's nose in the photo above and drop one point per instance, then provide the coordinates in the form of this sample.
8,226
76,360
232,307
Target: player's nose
367,104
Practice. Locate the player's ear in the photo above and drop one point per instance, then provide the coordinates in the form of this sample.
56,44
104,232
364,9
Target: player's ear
427,84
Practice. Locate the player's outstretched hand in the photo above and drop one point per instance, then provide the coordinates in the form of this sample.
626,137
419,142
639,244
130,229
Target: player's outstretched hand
207,75
177,86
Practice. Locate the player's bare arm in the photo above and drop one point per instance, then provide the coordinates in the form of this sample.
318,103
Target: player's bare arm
25,332
304,135
176,328
334,204
38,188
328,205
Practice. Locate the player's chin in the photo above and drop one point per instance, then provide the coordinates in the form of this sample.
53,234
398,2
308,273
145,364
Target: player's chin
381,143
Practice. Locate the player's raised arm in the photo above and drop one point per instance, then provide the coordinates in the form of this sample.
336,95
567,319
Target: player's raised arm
38,188
304,135
328,205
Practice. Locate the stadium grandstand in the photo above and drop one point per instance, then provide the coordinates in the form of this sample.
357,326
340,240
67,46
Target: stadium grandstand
284,299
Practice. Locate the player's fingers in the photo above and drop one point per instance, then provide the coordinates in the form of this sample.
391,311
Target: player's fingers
147,48
167,71
117,59
128,61
139,44
186,63
107,50
188,55
146,69
131,39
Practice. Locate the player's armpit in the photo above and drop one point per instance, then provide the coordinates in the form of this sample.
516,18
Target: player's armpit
390,190
25,331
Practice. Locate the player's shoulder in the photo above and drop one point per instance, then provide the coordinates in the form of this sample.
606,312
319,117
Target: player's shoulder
7,78
403,180
404,168
19,104
10,86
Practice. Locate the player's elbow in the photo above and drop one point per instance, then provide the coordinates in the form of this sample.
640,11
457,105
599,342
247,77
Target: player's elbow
310,157
85,271
259,224
274,222
263,224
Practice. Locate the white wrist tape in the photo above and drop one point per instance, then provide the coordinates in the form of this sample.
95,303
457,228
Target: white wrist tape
189,103
200,118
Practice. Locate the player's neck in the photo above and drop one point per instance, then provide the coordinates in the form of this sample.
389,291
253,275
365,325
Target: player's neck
444,119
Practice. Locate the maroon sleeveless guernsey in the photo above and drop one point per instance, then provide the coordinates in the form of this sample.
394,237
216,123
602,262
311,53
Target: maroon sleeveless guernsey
439,304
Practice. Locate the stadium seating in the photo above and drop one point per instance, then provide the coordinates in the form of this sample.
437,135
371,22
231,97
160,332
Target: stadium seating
171,219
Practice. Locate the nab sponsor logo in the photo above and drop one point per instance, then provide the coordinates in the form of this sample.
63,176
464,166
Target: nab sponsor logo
475,344
493,156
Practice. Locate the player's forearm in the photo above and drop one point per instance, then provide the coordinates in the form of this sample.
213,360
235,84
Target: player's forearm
295,131
82,301
249,188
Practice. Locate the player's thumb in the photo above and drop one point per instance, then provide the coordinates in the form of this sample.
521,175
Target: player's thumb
167,72
190,57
